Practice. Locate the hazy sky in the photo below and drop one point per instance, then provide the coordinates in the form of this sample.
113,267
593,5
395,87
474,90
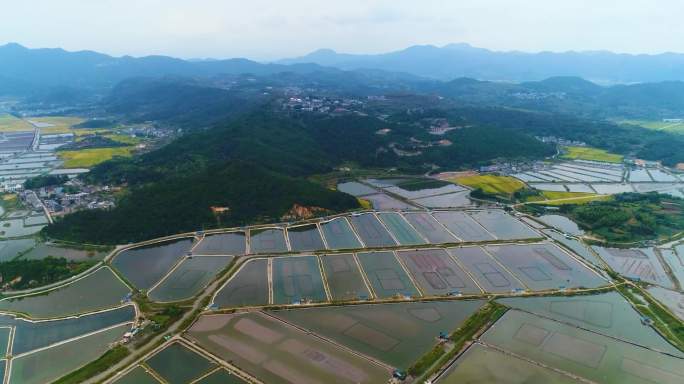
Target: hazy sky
273,29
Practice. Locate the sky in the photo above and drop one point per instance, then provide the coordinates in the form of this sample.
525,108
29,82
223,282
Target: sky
269,30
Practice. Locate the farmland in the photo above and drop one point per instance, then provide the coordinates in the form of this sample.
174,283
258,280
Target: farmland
9,123
87,158
492,184
593,154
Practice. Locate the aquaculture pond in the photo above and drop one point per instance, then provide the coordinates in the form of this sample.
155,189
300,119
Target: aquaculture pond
437,273
233,243
429,227
401,229
397,334
386,276
177,364
574,245
249,286
221,376
42,251
10,249
189,278
145,266
503,225
305,238
267,240
371,231
276,352
562,223
463,226
137,375
344,277
490,275
99,290
339,234
297,279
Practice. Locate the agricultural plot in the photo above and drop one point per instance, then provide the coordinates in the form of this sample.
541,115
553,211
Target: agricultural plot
371,231
583,353
233,243
344,277
400,228
675,260
305,238
249,286
138,375
15,142
381,201
503,225
9,123
437,273
386,276
144,266
490,275
429,227
607,313
491,183
574,245
276,352
267,240
396,334
339,234
480,364
42,251
10,249
177,364
29,336
673,300
463,226
544,266
451,200
356,189
593,154
97,291
49,364
638,264
297,279
88,158
561,223
189,278
221,377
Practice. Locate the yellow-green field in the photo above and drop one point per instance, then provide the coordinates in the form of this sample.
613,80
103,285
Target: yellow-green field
365,204
60,124
492,184
588,153
87,158
125,139
657,125
563,198
9,123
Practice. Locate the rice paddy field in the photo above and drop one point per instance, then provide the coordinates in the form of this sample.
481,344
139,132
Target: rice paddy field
88,158
396,334
137,375
276,352
429,227
658,125
145,266
593,154
490,275
267,240
249,286
437,273
177,364
463,226
480,365
580,352
55,124
371,231
344,277
189,278
47,365
233,243
400,228
386,276
607,313
297,279
9,123
339,234
305,238
99,290
640,264
493,184
544,266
